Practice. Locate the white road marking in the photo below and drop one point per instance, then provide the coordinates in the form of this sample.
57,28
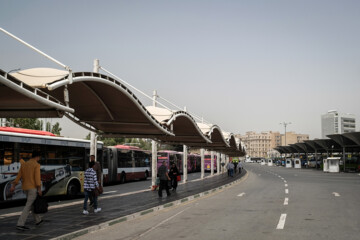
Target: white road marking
285,181
286,201
161,223
287,191
110,192
286,185
336,194
241,194
282,220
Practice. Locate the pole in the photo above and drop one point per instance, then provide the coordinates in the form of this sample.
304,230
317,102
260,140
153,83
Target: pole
202,162
153,153
217,163
285,124
153,164
185,162
212,163
93,137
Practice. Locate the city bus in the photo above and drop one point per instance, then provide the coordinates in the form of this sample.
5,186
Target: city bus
207,162
62,163
170,157
124,163
194,163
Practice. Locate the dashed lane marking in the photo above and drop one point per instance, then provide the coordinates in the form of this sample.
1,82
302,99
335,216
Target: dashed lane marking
241,194
286,185
336,194
286,201
282,220
287,191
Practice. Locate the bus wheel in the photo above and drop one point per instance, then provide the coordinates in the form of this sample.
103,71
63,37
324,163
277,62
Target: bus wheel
123,178
72,190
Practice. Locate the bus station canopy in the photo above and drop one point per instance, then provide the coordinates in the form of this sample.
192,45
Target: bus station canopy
335,143
18,99
102,104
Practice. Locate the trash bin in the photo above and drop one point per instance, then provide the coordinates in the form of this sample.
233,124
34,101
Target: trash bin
297,163
262,162
288,163
333,163
325,165
270,162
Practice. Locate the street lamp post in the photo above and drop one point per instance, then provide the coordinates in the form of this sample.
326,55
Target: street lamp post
285,124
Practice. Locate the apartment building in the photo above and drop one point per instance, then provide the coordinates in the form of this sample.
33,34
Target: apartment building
261,144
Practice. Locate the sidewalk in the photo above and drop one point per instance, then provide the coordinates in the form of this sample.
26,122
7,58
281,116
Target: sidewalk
67,218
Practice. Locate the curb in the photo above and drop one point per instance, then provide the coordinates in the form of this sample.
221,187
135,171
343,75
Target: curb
144,212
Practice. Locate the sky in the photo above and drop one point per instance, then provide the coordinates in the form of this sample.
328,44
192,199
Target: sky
242,65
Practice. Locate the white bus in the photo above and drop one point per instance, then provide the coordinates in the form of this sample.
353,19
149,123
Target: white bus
62,163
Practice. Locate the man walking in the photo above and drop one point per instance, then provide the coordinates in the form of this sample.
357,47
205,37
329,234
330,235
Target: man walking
164,178
29,174
97,169
90,183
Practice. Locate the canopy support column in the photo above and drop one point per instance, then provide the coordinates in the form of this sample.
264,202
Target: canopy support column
153,164
212,163
185,162
217,163
202,150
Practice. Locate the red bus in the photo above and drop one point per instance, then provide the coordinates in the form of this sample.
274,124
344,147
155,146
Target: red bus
124,163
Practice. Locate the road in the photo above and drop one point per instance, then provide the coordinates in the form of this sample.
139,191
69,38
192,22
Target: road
269,203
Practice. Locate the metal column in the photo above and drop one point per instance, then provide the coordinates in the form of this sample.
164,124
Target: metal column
202,162
212,163
185,162
153,163
217,163
93,136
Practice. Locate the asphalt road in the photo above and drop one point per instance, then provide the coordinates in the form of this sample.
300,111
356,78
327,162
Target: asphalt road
269,203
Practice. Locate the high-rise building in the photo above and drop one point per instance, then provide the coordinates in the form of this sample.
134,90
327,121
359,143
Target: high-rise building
334,122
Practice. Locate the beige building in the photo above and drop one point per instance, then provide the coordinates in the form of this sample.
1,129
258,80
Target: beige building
261,144
292,138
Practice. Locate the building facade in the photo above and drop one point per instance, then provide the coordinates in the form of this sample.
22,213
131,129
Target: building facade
334,122
262,144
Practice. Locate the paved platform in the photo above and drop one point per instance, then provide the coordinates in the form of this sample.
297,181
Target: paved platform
68,218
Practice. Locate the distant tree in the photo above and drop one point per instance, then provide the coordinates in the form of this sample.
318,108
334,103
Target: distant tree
48,127
56,129
28,123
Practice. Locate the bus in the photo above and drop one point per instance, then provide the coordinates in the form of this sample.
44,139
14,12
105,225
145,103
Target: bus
62,163
207,162
124,163
194,163
170,157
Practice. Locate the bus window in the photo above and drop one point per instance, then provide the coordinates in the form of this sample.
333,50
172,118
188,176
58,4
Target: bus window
124,159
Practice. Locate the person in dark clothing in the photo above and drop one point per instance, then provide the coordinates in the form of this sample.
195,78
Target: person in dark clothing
164,178
174,172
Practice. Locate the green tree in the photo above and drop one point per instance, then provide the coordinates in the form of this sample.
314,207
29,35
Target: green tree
28,123
56,129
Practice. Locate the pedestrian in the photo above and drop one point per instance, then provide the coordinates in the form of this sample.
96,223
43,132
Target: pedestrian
164,178
174,172
239,166
29,173
90,183
97,169
231,169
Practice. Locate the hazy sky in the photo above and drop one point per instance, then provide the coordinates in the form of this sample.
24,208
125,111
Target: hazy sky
243,65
